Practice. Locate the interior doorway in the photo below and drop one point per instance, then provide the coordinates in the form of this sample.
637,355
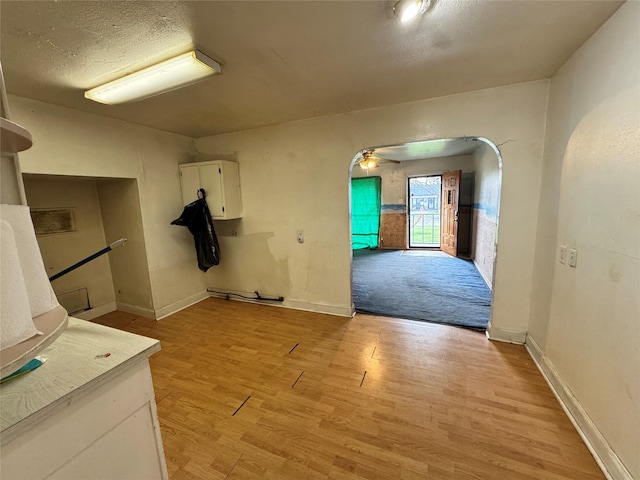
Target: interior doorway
409,265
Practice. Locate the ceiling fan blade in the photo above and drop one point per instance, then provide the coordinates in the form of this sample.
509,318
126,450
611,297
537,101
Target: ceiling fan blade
382,159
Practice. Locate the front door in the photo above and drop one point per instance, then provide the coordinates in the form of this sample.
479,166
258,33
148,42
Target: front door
424,211
450,199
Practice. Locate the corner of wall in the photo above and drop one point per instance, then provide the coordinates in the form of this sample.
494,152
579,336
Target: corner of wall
175,307
136,310
505,335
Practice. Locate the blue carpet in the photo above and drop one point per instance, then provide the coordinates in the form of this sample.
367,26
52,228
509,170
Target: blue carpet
435,289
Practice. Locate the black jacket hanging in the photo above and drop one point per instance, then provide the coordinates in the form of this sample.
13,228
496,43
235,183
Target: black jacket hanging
197,218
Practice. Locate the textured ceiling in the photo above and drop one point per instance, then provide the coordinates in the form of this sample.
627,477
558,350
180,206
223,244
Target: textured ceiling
284,60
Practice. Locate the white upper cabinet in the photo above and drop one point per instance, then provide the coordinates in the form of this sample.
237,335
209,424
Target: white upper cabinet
220,180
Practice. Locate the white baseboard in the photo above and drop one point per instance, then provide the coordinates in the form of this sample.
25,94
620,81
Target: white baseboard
96,312
607,460
507,336
180,305
338,310
136,310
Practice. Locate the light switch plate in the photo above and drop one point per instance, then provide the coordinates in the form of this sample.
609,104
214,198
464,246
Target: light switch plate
563,254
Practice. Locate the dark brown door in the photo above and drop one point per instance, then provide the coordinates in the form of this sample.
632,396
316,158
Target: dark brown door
449,217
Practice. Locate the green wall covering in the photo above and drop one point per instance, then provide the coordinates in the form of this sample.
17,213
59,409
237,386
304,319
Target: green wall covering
365,212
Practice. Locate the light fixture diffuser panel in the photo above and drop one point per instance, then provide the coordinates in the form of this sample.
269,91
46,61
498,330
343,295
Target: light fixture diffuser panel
177,72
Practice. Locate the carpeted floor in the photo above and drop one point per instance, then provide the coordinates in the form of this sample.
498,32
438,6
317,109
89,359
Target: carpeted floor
433,288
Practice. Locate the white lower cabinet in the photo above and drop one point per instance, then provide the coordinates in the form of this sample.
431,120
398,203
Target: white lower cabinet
82,417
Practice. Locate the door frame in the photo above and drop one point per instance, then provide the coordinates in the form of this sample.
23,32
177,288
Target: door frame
408,209
499,159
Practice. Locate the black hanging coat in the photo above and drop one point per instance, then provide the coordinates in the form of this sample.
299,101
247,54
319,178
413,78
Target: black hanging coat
197,218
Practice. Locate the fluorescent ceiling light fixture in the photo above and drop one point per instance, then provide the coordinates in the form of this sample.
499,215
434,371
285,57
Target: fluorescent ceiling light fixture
409,9
180,71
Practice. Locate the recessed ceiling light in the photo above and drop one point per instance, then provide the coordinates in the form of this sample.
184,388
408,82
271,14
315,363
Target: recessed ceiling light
177,72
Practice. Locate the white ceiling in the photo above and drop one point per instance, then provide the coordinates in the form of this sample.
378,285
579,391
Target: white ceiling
428,149
284,60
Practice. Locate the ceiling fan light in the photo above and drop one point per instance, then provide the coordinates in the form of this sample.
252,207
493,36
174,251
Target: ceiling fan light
180,71
367,163
409,9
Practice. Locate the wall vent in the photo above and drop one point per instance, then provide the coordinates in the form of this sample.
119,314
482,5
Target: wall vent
49,221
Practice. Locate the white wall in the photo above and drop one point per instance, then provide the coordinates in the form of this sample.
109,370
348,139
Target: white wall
486,202
122,218
586,320
295,176
70,142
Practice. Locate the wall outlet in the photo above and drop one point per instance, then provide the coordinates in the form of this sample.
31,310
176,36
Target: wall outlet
300,236
573,257
563,254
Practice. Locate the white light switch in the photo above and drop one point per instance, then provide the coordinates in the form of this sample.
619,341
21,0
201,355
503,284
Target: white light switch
573,257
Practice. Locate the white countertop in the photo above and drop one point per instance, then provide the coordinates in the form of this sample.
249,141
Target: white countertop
72,369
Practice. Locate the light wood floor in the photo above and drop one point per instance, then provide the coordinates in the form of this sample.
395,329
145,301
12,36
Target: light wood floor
248,391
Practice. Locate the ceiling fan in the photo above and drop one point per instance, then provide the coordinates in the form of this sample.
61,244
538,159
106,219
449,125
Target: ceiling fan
369,160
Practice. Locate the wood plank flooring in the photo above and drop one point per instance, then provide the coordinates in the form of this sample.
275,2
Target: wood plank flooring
248,391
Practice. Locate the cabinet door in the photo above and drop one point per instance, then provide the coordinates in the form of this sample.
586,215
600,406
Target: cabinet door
190,183
211,181
231,190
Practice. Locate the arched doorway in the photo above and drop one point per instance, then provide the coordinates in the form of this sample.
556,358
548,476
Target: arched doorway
386,291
